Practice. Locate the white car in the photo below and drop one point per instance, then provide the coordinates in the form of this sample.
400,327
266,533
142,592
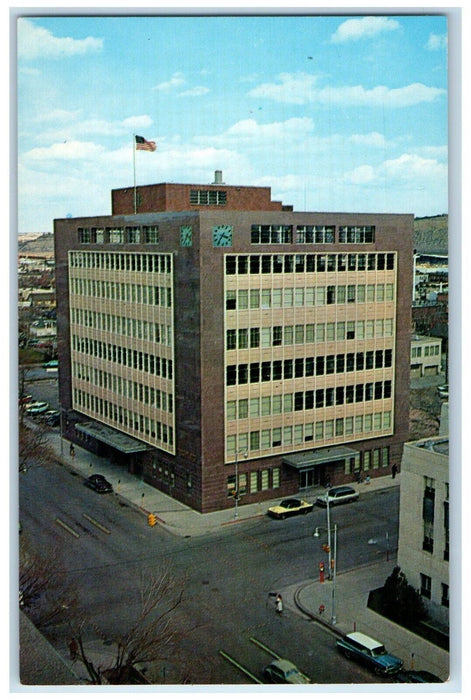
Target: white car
36,408
338,494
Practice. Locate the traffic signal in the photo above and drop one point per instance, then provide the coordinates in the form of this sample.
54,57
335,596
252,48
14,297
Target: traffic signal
326,548
151,520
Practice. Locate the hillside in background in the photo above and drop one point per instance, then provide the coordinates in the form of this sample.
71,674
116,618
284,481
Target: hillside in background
430,236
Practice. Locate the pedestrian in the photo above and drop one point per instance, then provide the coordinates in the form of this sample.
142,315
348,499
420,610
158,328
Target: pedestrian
279,604
73,648
394,471
72,450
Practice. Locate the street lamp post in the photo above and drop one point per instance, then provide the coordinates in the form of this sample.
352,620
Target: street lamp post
333,614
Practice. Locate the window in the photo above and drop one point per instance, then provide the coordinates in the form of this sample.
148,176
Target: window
445,595
266,234
356,234
315,234
428,514
253,482
133,234
425,586
208,197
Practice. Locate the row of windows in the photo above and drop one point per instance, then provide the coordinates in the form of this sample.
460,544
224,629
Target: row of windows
318,398
320,262
275,370
429,351
301,433
126,419
122,291
130,327
254,481
217,197
287,297
126,388
275,336
276,233
128,262
298,401
119,234
143,361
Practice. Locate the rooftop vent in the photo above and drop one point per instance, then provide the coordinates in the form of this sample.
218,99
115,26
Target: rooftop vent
218,178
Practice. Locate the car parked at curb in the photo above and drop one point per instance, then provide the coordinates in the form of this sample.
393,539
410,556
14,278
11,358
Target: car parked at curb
52,418
416,677
284,671
98,483
338,494
370,653
37,408
288,507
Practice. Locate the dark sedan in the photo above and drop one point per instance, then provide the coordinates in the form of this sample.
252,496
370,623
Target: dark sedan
98,483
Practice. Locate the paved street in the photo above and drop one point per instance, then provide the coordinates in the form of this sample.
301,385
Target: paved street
228,566
228,575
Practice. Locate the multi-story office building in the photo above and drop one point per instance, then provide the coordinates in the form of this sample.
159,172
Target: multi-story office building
216,340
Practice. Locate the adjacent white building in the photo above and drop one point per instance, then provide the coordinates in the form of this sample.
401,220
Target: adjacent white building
423,552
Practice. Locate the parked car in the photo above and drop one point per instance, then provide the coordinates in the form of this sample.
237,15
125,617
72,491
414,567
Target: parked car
283,671
290,506
25,400
36,408
98,483
338,494
416,677
52,418
368,651
52,364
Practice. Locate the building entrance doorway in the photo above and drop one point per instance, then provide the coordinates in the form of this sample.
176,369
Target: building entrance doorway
311,477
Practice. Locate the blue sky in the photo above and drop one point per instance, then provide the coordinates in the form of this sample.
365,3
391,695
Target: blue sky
334,113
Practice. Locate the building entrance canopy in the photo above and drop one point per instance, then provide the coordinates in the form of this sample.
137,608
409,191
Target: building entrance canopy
120,441
302,461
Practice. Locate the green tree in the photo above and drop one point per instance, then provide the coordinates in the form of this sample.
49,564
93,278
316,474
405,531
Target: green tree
400,601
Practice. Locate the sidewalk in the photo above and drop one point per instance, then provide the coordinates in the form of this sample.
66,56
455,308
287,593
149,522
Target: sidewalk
176,517
347,603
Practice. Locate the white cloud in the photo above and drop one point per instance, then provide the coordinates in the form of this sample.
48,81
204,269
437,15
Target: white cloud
68,150
70,130
410,167
37,42
197,91
300,88
373,139
175,80
58,115
361,175
407,169
365,28
436,42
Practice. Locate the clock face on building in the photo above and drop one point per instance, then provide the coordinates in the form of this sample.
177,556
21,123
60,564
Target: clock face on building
222,235
186,236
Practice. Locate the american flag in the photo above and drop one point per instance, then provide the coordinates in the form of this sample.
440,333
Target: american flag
143,145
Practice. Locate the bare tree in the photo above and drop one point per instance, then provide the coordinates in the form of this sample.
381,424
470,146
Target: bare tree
149,637
44,593
34,445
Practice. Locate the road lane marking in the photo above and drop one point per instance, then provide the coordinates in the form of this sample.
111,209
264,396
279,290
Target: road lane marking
66,527
240,667
265,648
96,523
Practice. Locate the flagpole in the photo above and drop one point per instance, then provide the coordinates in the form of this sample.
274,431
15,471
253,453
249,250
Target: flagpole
134,170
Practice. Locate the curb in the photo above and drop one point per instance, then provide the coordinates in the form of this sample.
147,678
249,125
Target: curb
315,618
